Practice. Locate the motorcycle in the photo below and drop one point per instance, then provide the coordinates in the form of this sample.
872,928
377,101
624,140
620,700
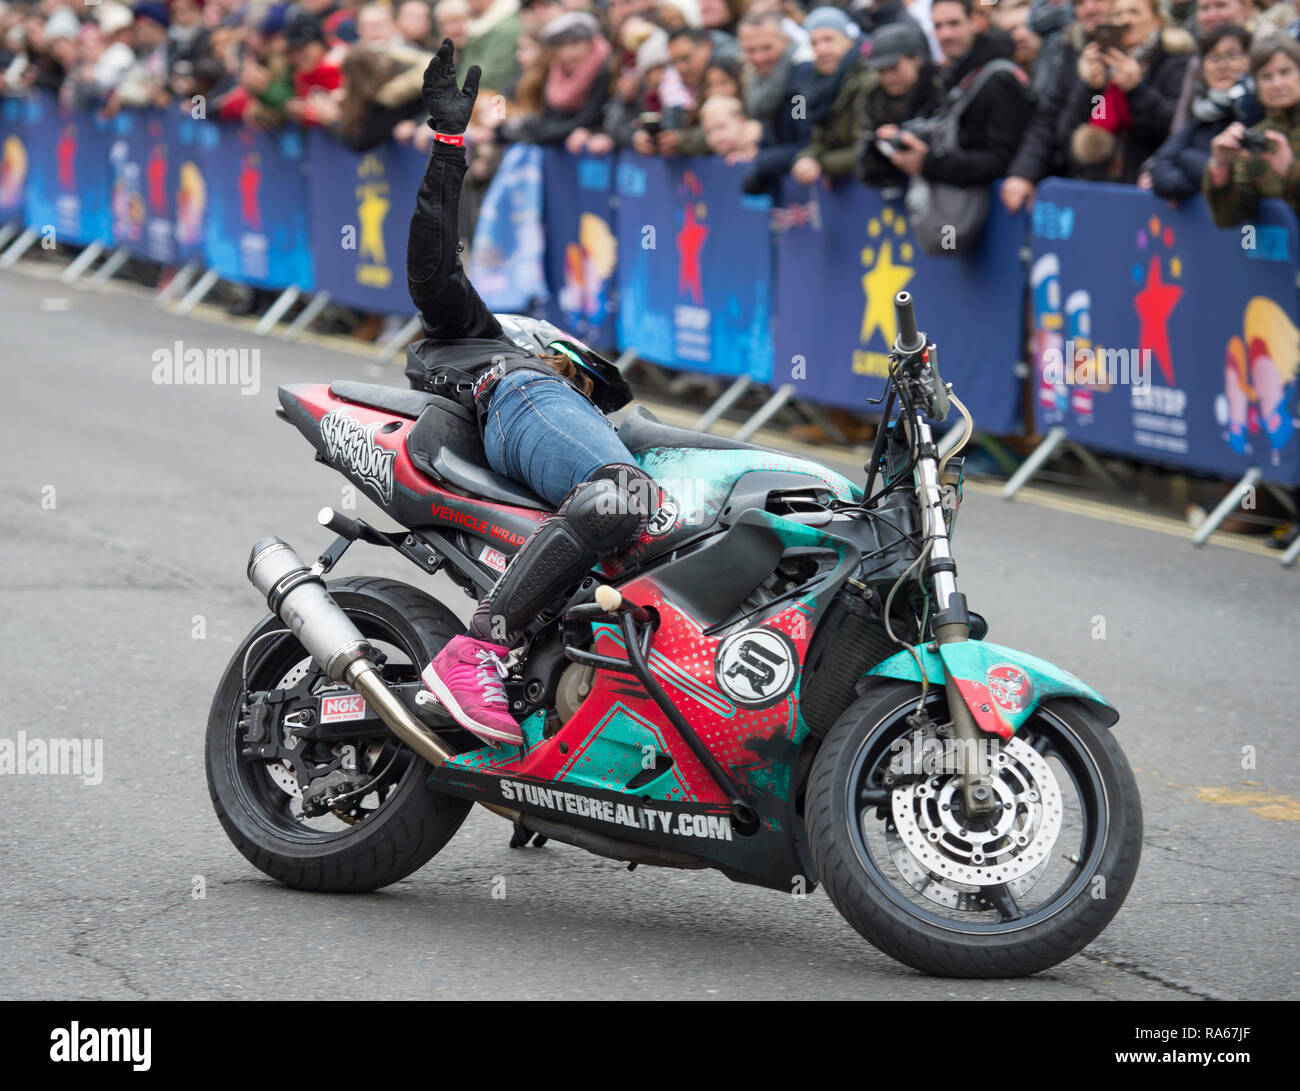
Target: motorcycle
786,685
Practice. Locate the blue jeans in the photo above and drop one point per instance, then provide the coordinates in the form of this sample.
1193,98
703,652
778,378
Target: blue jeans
541,431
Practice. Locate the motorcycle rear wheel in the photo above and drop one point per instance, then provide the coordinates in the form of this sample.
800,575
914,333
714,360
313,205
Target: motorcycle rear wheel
893,853
408,823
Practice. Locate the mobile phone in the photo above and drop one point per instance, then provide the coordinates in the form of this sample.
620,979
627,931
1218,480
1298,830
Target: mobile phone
652,122
1109,36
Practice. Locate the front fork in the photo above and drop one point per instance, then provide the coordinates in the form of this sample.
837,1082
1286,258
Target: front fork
951,623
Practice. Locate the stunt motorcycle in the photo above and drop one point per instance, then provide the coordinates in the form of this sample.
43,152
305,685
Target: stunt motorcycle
786,686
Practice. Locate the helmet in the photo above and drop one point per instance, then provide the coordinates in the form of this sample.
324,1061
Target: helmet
538,337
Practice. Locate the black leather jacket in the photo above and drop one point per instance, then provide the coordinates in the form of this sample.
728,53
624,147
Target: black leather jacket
464,350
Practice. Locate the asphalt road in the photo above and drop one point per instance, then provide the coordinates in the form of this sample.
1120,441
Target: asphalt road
128,511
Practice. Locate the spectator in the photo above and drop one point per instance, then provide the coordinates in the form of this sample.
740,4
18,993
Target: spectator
375,27
835,87
992,123
636,93
315,73
1236,177
727,131
577,83
907,87
870,15
145,83
774,93
793,30
1012,17
381,90
1121,106
415,24
1041,152
452,19
724,77
535,14
187,37
1179,166
723,15
1210,14
680,91
60,54
494,28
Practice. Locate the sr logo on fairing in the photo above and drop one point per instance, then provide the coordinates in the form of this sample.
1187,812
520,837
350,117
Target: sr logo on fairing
352,445
1012,689
663,520
756,667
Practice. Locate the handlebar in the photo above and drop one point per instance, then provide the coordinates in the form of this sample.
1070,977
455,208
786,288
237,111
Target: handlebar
909,339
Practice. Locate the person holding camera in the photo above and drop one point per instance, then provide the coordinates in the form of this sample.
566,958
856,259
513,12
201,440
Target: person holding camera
906,87
1264,160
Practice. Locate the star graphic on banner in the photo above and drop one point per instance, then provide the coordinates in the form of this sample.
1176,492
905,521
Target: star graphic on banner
1154,304
690,240
250,177
880,285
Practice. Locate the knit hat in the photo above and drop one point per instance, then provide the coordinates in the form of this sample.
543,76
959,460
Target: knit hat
151,9
113,17
62,24
572,26
828,18
894,41
653,52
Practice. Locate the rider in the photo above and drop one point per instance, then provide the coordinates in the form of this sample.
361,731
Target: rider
532,388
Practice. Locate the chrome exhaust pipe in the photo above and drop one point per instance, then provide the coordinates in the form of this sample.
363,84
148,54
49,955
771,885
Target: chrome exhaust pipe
298,597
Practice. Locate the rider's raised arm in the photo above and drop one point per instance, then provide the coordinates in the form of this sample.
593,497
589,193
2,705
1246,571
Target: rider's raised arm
437,281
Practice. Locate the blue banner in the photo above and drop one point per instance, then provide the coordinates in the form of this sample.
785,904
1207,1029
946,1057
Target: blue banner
1159,336
695,268
256,228
68,181
141,156
361,206
506,260
581,246
842,255
14,162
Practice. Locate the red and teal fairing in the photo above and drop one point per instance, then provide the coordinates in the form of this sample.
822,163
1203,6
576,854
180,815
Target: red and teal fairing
1001,686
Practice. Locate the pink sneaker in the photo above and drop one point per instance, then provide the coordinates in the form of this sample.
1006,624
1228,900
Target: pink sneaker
466,678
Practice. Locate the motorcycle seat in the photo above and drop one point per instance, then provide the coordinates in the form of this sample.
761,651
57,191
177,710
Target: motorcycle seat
391,399
445,444
641,431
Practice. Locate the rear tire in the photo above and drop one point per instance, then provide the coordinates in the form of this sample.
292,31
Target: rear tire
412,823
890,909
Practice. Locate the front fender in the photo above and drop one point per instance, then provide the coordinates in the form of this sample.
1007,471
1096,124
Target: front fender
1001,686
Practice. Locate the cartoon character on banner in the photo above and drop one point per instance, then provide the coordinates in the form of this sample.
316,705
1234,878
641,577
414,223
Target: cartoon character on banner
1049,339
191,205
588,266
1259,378
13,173
1078,333
127,199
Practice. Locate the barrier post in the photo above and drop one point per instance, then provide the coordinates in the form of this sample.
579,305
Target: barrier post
196,294
317,303
115,261
275,312
82,262
766,411
1226,505
19,247
1293,551
1054,438
179,282
724,402
395,343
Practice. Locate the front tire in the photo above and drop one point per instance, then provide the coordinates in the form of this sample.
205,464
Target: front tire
909,876
377,845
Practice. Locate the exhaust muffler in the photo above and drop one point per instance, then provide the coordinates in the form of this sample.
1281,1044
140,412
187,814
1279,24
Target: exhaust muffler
298,597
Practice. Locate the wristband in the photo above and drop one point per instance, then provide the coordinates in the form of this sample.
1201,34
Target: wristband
457,139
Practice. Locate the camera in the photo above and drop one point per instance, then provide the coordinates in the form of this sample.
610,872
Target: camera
1256,143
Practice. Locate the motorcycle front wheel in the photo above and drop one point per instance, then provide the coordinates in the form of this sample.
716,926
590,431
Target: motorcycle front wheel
1003,896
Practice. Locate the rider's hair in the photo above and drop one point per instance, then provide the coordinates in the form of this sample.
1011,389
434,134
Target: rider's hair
560,363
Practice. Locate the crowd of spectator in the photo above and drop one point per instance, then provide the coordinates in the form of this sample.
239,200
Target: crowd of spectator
1199,96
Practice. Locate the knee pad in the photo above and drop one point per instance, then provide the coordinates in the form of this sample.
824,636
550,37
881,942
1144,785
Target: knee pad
608,512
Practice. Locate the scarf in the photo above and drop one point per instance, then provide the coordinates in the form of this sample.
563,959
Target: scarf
1212,106
565,92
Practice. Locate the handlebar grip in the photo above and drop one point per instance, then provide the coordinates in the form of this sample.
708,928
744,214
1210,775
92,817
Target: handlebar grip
909,340
339,523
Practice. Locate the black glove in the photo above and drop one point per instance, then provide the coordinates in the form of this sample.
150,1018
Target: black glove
449,109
